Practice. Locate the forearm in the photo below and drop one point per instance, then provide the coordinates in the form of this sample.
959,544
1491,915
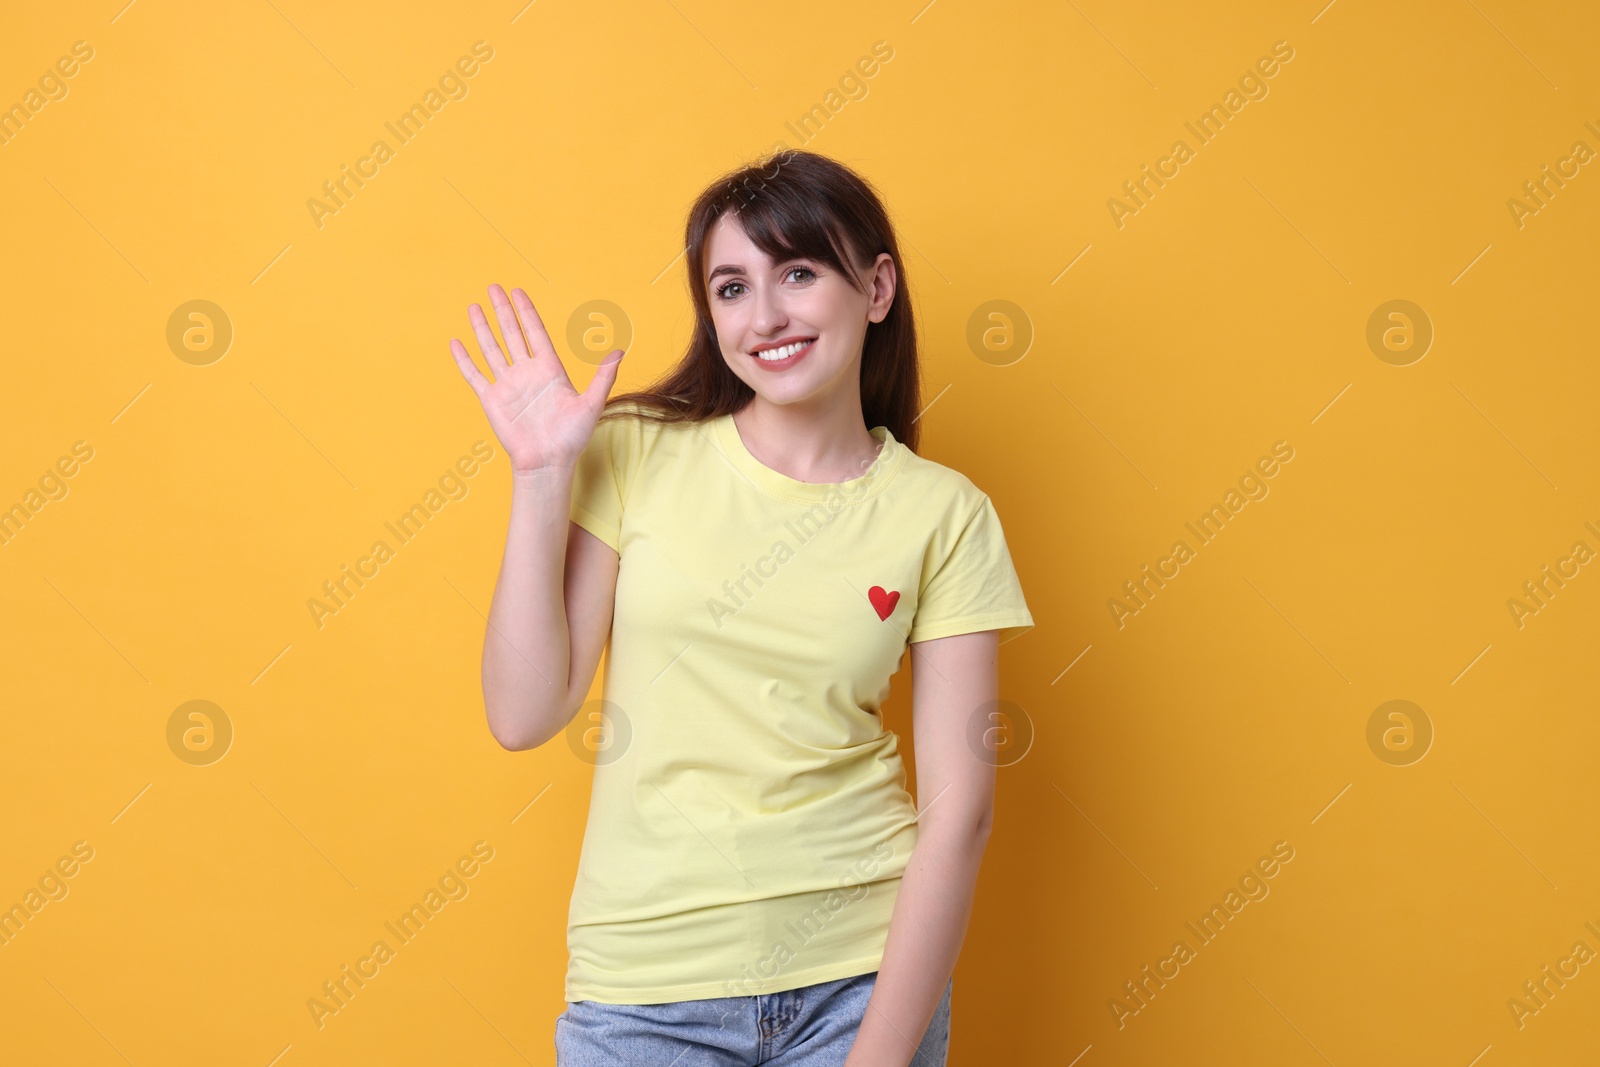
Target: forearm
526,646
925,935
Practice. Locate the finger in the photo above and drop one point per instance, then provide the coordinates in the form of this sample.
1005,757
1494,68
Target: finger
532,325
469,370
486,341
510,329
605,376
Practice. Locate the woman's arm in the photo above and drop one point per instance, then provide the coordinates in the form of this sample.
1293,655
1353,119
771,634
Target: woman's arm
552,603
952,678
550,616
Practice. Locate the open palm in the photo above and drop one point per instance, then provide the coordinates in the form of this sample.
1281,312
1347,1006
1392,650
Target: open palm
540,419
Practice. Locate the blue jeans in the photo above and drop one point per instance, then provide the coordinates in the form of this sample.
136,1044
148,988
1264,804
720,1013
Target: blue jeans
812,1026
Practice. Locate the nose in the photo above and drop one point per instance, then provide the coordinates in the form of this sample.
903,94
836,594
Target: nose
769,315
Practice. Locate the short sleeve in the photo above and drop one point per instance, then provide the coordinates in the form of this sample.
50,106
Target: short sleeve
602,476
974,587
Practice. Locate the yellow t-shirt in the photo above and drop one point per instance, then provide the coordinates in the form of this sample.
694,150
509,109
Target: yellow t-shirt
749,821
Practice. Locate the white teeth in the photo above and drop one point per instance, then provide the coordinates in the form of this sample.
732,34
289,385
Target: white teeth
785,352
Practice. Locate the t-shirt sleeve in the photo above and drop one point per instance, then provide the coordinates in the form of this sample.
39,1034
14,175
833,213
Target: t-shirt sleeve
601,479
974,587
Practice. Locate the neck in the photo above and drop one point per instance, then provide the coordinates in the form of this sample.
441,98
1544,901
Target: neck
809,443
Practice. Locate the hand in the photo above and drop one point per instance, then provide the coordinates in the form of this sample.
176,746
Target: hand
541,420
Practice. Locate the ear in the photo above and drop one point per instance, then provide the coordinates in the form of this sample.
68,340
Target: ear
882,283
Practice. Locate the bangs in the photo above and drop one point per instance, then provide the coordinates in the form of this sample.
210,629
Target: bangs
786,222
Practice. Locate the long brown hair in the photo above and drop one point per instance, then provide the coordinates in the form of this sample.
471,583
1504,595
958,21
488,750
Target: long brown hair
794,204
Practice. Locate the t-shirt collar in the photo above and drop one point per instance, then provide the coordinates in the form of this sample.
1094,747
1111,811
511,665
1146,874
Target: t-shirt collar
871,482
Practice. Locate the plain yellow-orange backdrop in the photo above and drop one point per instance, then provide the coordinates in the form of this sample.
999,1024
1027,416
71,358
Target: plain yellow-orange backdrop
1168,354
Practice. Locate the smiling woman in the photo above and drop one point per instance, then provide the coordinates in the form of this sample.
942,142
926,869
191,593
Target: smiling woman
753,765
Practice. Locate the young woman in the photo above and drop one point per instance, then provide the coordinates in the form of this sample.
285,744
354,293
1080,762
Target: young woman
758,540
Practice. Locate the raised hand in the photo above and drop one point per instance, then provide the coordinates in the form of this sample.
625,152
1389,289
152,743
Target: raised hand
540,419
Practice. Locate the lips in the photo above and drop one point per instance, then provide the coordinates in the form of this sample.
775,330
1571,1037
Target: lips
782,351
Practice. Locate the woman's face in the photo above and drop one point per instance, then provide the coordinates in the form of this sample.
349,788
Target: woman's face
801,308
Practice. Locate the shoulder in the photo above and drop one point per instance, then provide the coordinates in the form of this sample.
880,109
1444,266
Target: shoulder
946,490
634,433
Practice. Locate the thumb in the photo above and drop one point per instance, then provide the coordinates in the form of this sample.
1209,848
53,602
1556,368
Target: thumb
605,376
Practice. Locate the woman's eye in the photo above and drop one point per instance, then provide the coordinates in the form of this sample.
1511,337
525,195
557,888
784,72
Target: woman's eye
724,291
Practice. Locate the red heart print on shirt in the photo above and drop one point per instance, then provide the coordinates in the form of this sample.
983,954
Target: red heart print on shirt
883,603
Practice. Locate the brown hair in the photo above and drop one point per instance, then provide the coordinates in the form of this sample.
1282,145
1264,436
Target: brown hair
793,204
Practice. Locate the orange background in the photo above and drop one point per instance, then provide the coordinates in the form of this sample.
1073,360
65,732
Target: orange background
1167,354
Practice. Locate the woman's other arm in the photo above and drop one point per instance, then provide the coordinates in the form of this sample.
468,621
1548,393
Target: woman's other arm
952,679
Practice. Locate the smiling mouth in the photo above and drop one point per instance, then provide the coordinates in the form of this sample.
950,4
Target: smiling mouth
773,355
